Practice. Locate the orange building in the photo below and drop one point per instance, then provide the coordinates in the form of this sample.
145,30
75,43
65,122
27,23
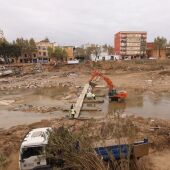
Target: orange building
70,52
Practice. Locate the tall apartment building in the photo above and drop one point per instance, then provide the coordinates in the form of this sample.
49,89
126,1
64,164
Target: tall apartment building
130,43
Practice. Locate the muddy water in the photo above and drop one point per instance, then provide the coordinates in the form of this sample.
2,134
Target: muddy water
138,104
36,97
145,105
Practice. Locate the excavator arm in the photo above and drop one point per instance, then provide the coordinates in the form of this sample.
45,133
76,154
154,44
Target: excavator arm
113,93
96,74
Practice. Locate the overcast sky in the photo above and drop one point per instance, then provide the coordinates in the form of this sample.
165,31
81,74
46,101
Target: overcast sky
75,22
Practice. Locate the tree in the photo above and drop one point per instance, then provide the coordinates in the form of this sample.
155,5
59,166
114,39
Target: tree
8,51
81,53
27,46
96,50
15,51
73,151
57,53
160,44
65,55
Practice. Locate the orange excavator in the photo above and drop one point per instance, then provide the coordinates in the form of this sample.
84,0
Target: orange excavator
114,94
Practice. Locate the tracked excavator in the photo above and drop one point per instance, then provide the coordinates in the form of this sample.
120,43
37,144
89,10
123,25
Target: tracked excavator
114,94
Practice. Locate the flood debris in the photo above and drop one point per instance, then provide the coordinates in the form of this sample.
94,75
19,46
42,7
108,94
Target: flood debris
4,72
6,102
36,109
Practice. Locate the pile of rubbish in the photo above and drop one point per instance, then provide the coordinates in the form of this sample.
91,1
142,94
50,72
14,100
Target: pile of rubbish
36,109
5,72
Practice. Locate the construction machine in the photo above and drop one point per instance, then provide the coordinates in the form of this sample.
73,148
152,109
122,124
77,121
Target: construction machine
114,94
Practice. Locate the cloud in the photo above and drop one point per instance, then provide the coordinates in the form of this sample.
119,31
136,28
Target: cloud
74,22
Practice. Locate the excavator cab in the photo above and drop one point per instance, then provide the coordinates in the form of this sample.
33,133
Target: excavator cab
113,95
112,92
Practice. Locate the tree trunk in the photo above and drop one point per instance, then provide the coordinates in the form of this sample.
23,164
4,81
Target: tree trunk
159,53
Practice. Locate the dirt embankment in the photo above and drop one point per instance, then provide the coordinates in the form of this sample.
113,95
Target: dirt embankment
105,130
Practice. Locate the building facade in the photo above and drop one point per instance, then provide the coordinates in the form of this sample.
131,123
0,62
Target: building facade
155,53
129,43
40,55
42,51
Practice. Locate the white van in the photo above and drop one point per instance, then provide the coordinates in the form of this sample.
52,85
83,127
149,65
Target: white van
32,150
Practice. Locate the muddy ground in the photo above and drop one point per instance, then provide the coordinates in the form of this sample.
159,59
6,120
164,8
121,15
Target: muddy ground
63,84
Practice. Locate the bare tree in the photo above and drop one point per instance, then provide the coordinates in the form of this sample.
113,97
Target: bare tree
160,44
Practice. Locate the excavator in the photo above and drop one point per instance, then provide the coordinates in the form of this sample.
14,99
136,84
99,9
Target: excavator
114,94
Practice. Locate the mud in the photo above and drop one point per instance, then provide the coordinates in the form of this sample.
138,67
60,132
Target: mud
41,98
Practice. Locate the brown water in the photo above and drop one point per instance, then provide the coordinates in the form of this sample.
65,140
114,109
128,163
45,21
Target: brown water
36,97
137,104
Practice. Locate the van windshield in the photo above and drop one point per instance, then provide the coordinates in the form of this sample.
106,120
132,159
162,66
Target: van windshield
31,151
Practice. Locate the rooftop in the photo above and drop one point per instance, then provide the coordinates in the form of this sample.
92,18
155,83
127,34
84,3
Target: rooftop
36,137
132,32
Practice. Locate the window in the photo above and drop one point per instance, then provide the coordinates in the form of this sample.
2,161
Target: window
44,53
32,151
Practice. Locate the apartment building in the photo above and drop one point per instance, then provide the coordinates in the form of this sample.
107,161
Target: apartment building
42,51
40,55
130,43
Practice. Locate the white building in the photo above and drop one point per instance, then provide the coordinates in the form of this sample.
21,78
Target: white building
104,56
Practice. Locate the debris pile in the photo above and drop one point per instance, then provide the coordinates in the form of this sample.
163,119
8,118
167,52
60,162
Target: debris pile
35,109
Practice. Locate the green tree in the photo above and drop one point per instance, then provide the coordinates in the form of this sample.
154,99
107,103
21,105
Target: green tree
65,55
160,44
57,53
27,46
8,51
81,53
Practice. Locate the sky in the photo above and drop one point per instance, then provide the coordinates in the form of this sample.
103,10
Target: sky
76,22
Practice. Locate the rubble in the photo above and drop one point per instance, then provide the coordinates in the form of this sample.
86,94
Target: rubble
5,72
35,109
